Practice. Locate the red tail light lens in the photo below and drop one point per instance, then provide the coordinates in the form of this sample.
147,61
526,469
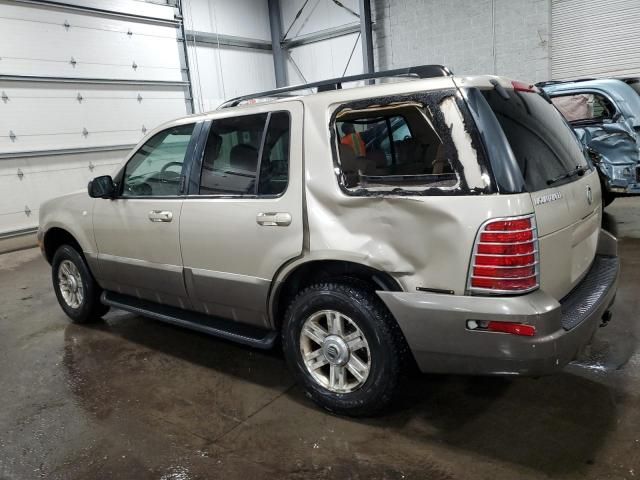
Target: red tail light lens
524,87
512,328
505,257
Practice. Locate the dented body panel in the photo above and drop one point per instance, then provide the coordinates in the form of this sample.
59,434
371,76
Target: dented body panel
421,234
615,142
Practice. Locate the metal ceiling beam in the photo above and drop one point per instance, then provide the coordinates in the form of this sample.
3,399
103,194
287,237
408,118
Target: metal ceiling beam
322,35
227,40
96,81
279,60
100,11
366,36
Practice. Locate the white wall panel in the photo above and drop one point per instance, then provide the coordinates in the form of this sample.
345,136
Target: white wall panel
101,47
220,73
48,116
317,15
135,7
243,18
42,179
326,59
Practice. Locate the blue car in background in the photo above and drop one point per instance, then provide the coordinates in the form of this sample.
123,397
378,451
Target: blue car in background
605,114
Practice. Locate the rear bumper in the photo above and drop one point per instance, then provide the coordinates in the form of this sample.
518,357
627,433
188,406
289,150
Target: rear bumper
435,325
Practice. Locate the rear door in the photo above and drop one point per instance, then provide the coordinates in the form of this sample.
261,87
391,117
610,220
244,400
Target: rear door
242,219
564,188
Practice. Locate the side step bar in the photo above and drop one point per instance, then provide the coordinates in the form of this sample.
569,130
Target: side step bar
229,330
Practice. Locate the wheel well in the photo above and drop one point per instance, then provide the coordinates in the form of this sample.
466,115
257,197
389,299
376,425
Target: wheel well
327,270
54,238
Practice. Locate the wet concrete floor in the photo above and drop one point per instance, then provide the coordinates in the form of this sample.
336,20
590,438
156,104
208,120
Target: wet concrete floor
131,398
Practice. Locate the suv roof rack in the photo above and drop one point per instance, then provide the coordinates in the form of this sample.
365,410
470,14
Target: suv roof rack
421,71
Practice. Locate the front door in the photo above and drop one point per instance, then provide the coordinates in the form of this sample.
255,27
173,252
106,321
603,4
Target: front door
244,219
137,232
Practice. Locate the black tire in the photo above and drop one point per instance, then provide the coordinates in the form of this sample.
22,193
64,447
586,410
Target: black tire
387,347
90,308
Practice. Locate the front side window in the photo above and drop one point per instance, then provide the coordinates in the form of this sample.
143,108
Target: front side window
584,107
156,168
232,162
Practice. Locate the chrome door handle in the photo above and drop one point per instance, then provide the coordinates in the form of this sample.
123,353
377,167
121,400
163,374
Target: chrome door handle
274,219
160,216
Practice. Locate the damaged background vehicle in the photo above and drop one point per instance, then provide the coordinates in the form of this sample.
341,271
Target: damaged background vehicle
605,114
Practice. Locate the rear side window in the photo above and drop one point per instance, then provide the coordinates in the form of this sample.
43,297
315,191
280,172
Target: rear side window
584,107
392,147
544,145
247,155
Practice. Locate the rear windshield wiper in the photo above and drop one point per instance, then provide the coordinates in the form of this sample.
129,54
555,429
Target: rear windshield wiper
579,170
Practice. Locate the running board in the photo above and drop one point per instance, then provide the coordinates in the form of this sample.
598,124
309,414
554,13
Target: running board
227,329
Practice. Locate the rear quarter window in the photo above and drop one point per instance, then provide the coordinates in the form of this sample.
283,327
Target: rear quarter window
413,145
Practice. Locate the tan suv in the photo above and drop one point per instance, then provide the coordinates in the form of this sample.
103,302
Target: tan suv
453,222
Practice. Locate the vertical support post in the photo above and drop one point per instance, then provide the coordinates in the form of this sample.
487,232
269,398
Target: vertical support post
186,57
366,37
279,61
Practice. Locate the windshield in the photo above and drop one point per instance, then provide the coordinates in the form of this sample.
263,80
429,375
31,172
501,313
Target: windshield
545,147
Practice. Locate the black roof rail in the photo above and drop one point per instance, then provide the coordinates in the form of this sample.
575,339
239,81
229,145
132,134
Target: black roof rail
557,82
421,71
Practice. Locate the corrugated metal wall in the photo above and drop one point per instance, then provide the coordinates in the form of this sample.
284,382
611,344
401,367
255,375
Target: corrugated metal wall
79,87
592,38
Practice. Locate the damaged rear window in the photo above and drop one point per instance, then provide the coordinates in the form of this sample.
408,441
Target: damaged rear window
398,147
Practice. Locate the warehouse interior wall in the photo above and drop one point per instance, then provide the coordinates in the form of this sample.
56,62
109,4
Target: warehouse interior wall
329,58
504,37
78,89
220,72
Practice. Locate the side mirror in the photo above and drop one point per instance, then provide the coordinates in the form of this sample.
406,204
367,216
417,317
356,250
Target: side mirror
101,187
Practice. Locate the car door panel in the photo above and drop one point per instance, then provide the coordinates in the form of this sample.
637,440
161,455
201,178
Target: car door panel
138,256
137,233
232,246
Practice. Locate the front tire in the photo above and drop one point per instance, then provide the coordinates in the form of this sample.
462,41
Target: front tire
344,348
77,291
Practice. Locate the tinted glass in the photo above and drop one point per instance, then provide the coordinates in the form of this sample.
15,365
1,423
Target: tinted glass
274,167
156,168
542,142
230,163
231,159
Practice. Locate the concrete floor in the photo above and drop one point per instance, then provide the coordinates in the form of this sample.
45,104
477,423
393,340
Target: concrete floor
132,398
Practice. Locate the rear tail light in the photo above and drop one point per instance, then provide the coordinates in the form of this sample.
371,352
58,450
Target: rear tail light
505,257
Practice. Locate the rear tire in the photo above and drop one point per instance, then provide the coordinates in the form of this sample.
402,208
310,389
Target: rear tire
344,348
77,291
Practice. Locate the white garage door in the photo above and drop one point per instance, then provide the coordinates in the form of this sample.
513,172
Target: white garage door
595,38
78,88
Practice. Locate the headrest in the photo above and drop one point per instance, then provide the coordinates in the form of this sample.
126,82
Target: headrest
244,157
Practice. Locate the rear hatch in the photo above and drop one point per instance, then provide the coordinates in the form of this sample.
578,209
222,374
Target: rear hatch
564,189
